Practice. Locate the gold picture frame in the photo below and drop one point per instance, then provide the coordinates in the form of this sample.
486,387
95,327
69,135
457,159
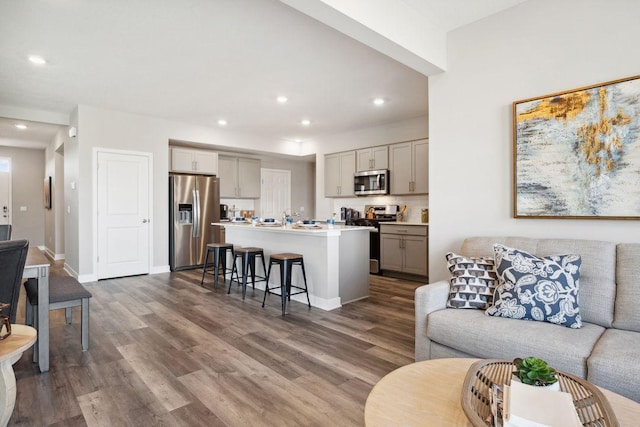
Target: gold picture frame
576,154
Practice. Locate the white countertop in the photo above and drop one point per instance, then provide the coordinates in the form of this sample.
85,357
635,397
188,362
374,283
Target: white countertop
320,229
423,224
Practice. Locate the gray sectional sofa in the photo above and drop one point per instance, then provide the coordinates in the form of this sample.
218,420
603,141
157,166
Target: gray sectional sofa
605,350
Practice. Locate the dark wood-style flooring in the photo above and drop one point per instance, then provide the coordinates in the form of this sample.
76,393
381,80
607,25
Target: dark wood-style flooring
166,352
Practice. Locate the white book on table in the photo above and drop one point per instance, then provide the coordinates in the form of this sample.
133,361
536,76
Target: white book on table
528,406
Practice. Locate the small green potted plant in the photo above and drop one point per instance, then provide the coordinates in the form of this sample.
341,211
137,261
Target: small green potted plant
536,372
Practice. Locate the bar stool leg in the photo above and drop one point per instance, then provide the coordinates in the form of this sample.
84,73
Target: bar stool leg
264,268
284,278
204,267
223,264
234,268
252,267
216,261
289,265
266,288
245,267
304,276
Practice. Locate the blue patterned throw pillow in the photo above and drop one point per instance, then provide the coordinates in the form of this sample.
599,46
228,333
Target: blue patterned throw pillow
533,288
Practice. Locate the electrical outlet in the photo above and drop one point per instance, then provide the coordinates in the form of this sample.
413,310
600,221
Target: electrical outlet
301,208
23,208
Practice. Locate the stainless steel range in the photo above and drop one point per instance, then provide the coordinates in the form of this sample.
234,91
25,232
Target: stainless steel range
374,215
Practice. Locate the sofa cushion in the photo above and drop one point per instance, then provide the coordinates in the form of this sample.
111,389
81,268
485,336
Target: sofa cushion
473,280
534,288
597,273
627,315
472,332
614,363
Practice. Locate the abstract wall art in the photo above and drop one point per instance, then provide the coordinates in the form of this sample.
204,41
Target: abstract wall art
577,153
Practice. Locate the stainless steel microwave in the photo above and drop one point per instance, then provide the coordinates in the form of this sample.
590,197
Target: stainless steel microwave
373,182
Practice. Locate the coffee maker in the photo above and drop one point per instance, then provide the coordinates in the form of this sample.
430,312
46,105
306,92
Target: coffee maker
224,212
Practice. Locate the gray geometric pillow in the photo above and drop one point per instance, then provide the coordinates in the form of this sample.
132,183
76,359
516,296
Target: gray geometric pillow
473,280
537,288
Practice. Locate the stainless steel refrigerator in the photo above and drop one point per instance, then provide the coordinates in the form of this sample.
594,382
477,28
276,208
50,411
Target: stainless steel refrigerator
194,203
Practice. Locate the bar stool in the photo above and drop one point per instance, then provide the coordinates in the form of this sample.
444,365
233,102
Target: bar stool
286,262
219,257
248,258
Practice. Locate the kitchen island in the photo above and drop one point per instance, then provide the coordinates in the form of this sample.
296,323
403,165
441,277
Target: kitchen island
336,258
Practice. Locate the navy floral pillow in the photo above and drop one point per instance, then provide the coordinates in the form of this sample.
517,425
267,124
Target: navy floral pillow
533,288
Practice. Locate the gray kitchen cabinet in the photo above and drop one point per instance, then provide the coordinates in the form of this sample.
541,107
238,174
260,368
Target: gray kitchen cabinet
409,166
239,178
338,174
188,160
403,248
372,158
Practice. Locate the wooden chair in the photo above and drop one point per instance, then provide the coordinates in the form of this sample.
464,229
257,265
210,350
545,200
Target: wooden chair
64,292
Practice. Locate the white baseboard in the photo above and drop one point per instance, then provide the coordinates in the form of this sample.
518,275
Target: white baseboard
52,255
84,278
160,269
70,271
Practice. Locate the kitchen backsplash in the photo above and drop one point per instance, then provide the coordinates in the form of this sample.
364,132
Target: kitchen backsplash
415,204
240,204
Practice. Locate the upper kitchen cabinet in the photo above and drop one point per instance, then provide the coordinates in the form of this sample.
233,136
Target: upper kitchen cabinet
188,160
409,167
338,174
239,178
372,158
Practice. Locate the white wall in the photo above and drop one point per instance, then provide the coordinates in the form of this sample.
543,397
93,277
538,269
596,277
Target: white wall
536,48
54,217
407,130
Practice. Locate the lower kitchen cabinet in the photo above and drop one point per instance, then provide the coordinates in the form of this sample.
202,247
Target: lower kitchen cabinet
403,248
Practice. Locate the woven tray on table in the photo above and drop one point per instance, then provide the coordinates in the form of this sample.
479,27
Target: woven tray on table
591,405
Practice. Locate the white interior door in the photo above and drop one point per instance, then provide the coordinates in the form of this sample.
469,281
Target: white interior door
5,190
275,192
123,214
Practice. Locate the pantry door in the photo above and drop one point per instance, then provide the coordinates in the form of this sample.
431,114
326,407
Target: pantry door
123,219
275,193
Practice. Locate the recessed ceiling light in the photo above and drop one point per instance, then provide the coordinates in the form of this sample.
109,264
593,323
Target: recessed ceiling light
378,101
305,122
222,122
282,99
297,140
38,60
21,126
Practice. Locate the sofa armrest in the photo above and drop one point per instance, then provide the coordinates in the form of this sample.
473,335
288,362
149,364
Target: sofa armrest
428,298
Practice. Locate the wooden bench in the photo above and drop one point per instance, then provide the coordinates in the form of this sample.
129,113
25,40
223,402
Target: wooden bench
64,292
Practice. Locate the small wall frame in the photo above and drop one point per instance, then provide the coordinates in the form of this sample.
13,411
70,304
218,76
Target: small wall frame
47,192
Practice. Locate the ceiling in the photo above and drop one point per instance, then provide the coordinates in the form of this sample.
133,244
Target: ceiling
198,61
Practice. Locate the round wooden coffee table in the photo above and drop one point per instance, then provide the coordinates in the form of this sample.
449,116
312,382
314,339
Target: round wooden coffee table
428,394
11,348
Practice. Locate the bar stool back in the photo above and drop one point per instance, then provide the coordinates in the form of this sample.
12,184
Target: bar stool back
248,260
219,257
286,261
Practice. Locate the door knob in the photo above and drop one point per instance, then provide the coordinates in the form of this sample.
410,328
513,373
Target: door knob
144,221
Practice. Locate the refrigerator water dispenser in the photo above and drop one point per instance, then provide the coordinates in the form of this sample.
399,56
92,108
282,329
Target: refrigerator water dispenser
185,213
